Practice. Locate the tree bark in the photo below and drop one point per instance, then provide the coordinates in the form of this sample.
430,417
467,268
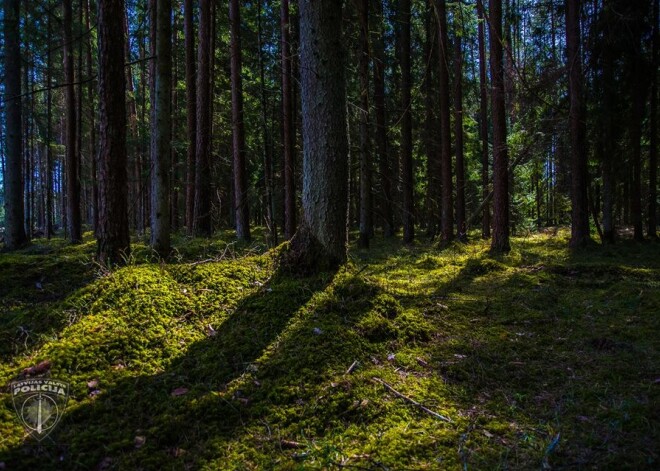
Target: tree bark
447,213
366,228
92,126
458,135
321,241
500,242
49,135
113,237
385,174
15,236
160,164
72,162
653,127
287,126
238,130
191,114
579,175
202,222
483,119
431,125
408,214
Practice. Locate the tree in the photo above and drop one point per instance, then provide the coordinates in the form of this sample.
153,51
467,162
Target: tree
238,130
385,174
653,126
483,119
447,217
160,164
15,236
408,215
579,177
458,134
500,241
287,126
321,240
113,237
191,113
366,227
202,222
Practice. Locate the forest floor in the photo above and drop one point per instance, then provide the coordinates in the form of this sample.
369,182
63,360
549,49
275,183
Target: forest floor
542,359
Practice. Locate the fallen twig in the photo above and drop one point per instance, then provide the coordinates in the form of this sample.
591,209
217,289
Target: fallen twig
291,444
351,368
411,401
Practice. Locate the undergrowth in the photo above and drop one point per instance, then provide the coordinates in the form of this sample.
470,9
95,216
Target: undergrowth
217,360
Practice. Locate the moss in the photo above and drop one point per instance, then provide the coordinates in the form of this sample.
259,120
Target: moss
278,369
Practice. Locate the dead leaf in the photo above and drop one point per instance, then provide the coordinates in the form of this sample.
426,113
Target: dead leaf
139,441
179,392
38,369
488,434
93,384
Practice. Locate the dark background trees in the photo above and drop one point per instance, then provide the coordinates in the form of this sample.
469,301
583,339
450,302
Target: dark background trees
553,103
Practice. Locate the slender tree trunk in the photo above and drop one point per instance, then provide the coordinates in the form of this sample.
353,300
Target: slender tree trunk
408,214
288,137
92,127
386,202
458,135
365,151
238,130
113,238
321,241
191,114
579,175
202,222
268,151
653,127
15,236
483,119
49,134
72,163
445,126
160,164
609,181
500,242
431,125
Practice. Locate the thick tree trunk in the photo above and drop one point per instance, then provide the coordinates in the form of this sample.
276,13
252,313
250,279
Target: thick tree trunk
483,119
321,241
447,226
288,137
386,203
191,114
366,228
72,163
408,214
113,237
15,236
202,222
653,127
458,136
238,130
579,175
160,164
500,242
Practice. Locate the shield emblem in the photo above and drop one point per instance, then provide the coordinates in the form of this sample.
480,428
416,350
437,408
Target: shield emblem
39,403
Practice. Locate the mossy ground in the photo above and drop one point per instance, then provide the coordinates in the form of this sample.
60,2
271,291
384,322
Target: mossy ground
542,358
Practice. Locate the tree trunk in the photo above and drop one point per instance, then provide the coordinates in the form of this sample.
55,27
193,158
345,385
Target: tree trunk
202,222
610,143
92,126
500,242
653,128
579,176
321,241
287,126
72,163
15,236
113,237
408,214
483,119
447,217
160,164
458,134
238,130
191,114
365,151
431,124
386,203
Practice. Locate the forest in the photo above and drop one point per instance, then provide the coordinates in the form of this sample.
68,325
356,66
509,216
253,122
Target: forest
327,234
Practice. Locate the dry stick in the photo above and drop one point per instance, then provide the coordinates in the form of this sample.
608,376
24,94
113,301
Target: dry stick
411,401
